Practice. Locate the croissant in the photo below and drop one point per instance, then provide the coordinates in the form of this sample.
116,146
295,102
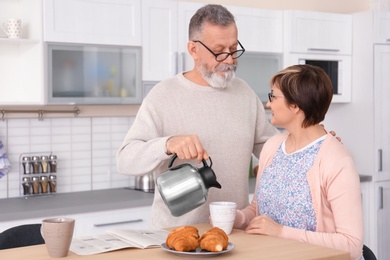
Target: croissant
214,240
183,239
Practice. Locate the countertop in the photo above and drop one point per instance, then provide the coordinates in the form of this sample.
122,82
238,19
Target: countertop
83,202
72,203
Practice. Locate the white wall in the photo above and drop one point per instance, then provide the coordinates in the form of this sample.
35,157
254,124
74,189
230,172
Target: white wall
336,6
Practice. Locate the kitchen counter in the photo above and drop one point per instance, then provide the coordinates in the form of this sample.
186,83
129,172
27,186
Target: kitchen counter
72,203
83,202
246,247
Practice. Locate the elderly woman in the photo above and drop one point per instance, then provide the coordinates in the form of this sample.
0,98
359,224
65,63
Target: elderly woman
307,186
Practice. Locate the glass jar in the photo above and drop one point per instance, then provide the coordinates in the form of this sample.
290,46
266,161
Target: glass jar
36,164
53,163
53,183
44,180
45,164
35,185
26,184
27,166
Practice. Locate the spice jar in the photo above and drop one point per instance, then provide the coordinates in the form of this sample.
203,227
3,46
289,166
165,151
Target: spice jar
26,184
36,164
53,163
45,163
27,166
53,183
44,184
35,185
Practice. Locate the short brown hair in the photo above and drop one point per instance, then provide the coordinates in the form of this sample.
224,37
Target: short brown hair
308,87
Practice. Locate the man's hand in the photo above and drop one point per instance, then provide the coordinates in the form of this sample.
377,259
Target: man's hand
332,133
187,147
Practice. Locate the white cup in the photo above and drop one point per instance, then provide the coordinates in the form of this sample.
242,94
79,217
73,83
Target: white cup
12,28
222,215
57,233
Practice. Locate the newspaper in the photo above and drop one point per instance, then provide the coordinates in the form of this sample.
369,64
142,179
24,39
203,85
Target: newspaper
118,239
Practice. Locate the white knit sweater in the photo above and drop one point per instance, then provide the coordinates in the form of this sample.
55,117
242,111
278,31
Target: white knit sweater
230,123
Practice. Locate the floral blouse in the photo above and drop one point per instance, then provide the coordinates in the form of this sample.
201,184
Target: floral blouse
283,192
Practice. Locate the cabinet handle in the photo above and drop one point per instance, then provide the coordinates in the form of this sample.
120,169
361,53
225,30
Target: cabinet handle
380,189
177,63
324,50
117,223
380,160
183,60
387,40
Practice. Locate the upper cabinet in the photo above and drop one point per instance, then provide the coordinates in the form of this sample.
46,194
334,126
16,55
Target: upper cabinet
112,22
382,27
165,37
315,32
259,30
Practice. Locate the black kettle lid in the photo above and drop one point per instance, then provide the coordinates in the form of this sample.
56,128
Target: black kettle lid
208,175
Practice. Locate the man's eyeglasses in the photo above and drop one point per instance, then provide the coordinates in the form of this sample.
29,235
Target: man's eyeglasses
224,55
271,96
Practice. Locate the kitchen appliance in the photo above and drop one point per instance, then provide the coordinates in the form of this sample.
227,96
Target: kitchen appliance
144,183
337,66
185,187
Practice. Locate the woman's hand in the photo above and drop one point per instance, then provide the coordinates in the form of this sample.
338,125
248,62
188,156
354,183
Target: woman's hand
264,225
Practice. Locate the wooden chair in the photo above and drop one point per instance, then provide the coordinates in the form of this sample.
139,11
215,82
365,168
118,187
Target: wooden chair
23,235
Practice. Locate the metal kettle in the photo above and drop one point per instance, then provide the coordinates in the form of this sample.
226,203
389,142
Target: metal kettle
144,183
185,187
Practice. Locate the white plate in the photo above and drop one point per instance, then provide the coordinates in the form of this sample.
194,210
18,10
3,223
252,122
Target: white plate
198,252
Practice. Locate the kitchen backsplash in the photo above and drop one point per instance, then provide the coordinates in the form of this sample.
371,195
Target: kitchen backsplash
85,149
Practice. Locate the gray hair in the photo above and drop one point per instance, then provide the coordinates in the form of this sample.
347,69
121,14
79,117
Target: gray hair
213,14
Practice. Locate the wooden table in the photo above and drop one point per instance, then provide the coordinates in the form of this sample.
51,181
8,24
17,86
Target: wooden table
246,247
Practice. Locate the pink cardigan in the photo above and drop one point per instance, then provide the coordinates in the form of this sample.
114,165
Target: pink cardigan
335,188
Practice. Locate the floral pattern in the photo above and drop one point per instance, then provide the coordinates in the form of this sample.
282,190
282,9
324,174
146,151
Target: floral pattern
284,192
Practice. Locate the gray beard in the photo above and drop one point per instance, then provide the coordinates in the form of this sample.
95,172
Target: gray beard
214,79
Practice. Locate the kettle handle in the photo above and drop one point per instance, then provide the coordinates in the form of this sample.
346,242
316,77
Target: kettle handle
203,160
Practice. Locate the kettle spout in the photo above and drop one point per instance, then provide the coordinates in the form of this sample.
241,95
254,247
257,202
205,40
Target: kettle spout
209,178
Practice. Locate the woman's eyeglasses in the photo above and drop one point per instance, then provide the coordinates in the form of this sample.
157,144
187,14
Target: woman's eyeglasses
271,96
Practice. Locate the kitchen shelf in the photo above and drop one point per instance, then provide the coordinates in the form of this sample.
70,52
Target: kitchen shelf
17,41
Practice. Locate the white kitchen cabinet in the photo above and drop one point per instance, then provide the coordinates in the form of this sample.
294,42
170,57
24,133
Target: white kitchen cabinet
317,32
21,65
159,39
382,146
111,22
4,225
368,207
383,216
99,222
382,27
165,36
382,110
259,30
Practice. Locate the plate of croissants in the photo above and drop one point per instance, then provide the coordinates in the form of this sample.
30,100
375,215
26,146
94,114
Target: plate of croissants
187,241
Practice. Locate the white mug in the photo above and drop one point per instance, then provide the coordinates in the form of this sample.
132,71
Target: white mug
222,215
12,28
